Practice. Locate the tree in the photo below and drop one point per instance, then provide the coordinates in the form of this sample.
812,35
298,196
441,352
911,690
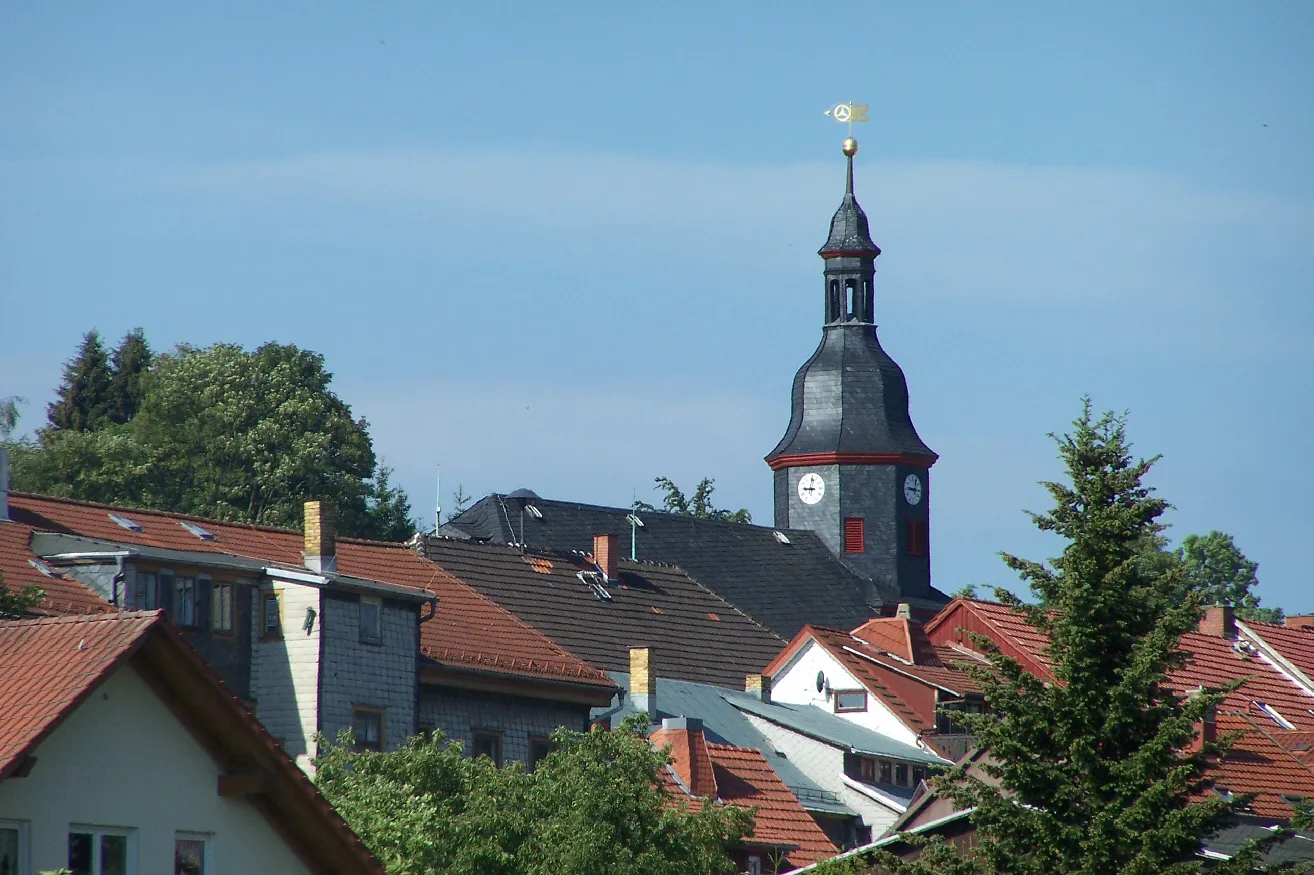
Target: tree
460,503
700,506
1219,573
1097,771
83,399
387,514
9,415
131,360
16,605
594,805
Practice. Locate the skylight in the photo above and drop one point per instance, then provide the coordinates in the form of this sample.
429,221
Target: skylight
633,519
45,569
534,512
781,537
124,522
1273,713
198,531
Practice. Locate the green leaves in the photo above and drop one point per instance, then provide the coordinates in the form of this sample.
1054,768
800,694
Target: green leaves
595,805
16,605
700,506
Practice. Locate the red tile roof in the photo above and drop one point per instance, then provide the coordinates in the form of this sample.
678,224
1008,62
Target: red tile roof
468,630
64,594
1260,764
48,666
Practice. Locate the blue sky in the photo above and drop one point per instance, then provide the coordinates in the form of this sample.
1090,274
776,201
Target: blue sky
572,247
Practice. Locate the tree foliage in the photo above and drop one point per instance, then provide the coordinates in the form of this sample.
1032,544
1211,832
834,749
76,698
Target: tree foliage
595,806
16,605
1219,573
84,397
1095,771
215,431
699,506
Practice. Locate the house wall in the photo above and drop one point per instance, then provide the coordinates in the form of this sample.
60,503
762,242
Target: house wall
824,764
355,673
796,684
122,759
285,671
457,711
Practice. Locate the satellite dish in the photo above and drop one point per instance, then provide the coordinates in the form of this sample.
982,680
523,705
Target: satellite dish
821,681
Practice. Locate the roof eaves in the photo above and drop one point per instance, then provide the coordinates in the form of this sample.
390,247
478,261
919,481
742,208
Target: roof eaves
897,670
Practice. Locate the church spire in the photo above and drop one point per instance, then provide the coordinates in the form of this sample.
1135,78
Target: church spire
850,256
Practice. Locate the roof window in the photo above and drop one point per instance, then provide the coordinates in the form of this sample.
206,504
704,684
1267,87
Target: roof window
198,531
781,537
534,512
1273,713
45,569
124,522
633,519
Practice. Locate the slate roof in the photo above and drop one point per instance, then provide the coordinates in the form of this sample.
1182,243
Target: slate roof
50,665
468,631
694,634
781,586
849,234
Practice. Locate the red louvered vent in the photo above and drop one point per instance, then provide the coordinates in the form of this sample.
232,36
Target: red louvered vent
853,535
917,538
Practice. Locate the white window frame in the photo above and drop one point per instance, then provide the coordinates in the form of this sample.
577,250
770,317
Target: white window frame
262,617
216,612
207,854
97,832
378,605
381,715
191,622
24,829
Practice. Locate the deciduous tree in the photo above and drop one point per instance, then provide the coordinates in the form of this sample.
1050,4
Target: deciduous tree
1220,573
699,506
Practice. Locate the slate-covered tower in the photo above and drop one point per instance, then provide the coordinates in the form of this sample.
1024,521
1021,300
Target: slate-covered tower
851,466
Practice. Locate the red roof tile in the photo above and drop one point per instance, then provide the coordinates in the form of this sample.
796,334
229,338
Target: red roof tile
468,631
64,594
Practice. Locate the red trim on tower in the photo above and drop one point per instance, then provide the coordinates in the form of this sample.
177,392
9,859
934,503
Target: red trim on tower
795,460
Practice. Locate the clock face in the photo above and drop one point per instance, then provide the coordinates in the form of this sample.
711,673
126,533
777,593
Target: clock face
811,487
912,489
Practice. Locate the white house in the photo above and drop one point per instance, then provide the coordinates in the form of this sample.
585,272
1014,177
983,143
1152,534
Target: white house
123,753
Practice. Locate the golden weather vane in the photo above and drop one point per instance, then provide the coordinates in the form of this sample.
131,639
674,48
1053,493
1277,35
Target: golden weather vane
848,113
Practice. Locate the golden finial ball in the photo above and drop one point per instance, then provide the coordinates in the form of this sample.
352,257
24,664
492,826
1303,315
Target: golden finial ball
850,147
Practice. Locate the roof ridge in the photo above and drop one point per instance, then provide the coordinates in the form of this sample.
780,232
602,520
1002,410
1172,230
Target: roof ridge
98,617
168,514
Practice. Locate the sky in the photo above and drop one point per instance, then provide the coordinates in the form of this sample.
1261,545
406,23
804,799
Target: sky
572,247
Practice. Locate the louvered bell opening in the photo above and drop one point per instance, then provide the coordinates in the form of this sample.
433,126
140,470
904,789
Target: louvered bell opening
853,535
917,538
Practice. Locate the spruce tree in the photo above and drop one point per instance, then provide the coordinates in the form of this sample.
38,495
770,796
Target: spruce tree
83,399
1098,770
131,360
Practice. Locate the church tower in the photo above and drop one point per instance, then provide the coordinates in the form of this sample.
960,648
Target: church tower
851,467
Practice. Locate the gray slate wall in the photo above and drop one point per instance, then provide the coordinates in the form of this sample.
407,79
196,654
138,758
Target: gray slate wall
456,712
356,673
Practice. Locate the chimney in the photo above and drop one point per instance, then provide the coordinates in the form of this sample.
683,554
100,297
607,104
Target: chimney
904,611
689,757
759,685
4,484
605,555
321,537
1219,621
1206,730
643,680
1298,621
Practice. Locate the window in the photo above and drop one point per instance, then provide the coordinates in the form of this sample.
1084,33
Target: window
271,622
887,772
367,724
184,601
371,620
486,744
165,591
918,775
221,608
853,535
754,865
867,770
901,774
125,522
917,539
191,854
146,596
850,700
539,748
94,850
198,531
13,848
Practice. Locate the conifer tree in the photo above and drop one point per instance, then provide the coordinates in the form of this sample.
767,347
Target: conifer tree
131,360
84,397
1099,770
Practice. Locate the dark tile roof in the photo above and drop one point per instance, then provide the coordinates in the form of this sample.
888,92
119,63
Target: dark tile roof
696,636
780,585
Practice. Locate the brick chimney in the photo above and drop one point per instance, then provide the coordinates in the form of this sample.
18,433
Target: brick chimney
1219,621
689,757
321,551
1298,621
1206,729
643,680
605,554
4,484
759,685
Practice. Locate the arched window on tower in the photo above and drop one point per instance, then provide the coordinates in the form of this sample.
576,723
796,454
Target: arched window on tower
833,302
851,299
868,305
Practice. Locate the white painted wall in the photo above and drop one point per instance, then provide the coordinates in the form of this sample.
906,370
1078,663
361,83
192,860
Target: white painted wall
796,683
122,759
285,673
824,764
